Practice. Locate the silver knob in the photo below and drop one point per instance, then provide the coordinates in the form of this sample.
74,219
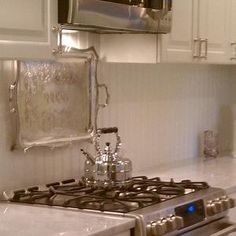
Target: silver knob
179,222
232,202
171,224
157,228
153,229
161,228
211,209
219,206
225,203
149,229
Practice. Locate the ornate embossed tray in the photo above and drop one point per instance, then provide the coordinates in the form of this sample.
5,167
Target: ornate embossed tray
56,102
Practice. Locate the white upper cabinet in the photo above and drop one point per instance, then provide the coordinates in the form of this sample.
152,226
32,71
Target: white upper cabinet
199,32
231,43
25,28
178,46
213,30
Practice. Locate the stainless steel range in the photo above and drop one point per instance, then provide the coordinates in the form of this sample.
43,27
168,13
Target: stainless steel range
159,207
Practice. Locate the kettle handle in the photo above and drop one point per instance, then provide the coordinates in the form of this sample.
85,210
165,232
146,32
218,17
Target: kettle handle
107,131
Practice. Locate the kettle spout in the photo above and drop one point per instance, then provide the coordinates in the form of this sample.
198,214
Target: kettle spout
88,156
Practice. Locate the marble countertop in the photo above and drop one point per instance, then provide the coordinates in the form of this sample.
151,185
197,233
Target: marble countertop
25,220
218,172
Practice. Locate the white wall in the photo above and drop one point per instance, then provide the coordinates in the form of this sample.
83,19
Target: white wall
159,109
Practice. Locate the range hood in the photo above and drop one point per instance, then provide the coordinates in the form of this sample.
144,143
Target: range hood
121,16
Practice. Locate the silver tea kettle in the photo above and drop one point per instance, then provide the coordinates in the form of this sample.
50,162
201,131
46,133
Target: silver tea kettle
107,168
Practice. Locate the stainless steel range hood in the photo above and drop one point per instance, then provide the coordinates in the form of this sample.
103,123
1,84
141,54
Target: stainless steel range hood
121,16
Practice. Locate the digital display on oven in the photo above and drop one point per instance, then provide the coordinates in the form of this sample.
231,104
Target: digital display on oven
191,213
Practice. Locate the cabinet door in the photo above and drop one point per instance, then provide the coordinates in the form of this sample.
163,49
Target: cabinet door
178,46
213,27
25,28
231,43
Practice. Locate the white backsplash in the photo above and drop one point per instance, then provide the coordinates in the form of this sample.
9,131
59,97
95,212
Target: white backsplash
160,111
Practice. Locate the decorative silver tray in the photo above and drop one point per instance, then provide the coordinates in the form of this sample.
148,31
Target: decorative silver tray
56,102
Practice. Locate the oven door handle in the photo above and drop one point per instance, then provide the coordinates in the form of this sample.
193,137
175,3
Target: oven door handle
226,231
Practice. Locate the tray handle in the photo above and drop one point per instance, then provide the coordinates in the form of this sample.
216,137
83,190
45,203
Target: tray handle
12,91
107,101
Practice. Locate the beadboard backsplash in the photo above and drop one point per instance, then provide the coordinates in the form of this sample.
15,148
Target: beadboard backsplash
160,110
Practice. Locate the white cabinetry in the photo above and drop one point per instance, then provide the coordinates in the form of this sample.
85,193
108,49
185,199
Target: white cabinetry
25,28
213,28
231,44
178,46
199,32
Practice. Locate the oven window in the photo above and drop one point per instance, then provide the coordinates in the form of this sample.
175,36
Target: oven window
192,213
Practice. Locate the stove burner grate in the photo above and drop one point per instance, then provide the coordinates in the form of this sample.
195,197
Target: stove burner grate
139,193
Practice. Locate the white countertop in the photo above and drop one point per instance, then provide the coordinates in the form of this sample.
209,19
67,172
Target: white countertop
26,220
218,172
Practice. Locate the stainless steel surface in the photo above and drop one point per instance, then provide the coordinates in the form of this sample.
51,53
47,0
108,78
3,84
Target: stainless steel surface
196,48
107,168
233,46
205,50
148,16
103,105
63,93
221,227
12,91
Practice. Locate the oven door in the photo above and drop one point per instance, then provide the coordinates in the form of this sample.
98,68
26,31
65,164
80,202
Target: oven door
222,227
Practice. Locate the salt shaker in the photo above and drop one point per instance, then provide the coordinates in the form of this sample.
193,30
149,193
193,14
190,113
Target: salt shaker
210,148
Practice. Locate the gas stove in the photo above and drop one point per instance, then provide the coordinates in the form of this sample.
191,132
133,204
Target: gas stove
159,207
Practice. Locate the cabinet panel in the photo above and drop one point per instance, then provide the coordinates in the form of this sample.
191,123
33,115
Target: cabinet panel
24,15
25,28
178,45
231,43
213,27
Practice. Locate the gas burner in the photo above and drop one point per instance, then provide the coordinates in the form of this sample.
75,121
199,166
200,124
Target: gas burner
139,193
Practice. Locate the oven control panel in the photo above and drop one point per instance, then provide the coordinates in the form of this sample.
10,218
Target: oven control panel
192,213
185,215
189,214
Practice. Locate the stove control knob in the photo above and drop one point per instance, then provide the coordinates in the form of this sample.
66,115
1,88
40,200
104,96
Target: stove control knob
149,229
232,202
179,222
161,228
225,203
171,224
211,209
155,228
218,205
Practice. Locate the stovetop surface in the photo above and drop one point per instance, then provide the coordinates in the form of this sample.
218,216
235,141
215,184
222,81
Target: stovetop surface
140,192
